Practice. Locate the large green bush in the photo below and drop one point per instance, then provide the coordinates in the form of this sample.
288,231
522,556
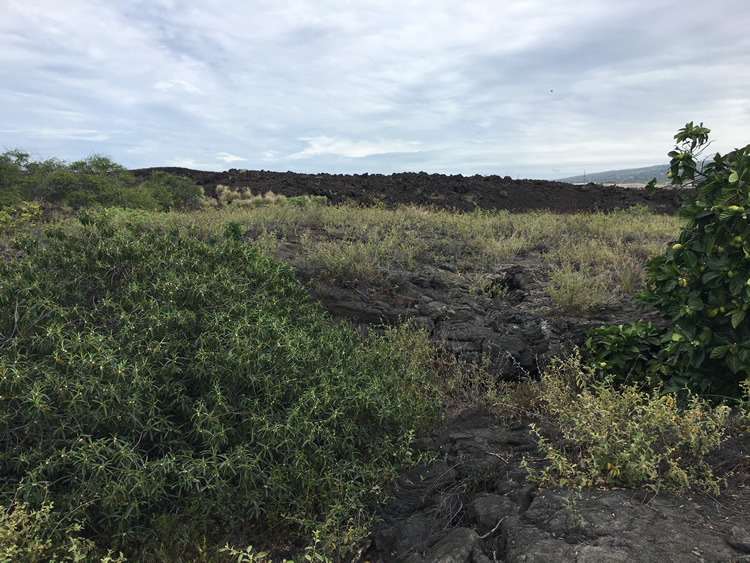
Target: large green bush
12,166
147,374
95,181
702,282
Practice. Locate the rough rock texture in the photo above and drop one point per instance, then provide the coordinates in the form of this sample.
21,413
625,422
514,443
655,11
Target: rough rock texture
517,331
464,193
473,504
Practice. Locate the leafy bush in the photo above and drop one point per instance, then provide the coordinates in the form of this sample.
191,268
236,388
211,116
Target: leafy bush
42,535
146,374
12,166
624,436
701,284
172,192
629,353
12,218
95,181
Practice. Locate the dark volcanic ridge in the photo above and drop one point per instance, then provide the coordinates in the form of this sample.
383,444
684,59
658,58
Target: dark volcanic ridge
454,192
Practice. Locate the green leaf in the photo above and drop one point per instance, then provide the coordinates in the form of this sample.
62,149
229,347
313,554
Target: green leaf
738,315
690,258
719,352
710,276
734,363
695,304
734,177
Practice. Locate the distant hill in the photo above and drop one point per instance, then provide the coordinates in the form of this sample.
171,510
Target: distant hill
628,176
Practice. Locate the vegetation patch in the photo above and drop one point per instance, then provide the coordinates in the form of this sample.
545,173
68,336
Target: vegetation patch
624,436
155,381
95,181
701,282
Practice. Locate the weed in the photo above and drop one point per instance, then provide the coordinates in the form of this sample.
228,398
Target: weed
626,436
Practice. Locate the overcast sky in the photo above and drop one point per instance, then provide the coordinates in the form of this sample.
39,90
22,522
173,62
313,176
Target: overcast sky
526,88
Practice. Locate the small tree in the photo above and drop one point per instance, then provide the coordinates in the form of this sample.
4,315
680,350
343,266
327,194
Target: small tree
702,282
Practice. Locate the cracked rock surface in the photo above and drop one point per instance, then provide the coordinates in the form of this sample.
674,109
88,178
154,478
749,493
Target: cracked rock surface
473,504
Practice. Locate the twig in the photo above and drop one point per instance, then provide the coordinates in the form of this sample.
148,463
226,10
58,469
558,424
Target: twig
493,530
360,551
505,459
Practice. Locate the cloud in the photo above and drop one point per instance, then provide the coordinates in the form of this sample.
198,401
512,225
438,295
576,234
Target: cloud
182,163
353,149
72,134
227,157
373,86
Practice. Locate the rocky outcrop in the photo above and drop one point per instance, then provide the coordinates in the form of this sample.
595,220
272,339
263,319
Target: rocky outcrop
517,330
473,505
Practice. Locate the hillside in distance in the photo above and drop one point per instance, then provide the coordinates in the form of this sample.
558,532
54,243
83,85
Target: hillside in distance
626,176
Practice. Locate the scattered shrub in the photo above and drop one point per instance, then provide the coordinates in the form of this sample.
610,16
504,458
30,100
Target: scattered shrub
95,181
13,218
624,436
12,167
42,535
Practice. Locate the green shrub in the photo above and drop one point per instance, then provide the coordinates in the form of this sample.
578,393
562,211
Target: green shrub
42,535
171,192
13,218
95,181
12,167
701,284
628,353
147,374
305,201
624,436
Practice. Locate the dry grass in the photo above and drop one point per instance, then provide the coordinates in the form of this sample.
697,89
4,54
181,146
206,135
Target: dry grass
588,258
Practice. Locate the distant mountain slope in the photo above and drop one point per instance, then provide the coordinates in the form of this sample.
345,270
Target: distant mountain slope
628,176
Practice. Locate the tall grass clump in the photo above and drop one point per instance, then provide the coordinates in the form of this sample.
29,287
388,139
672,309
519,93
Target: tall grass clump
152,379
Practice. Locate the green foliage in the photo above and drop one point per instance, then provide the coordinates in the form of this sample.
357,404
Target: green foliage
305,201
702,282
627,353
95,181
12,218
12,166
171,192
43,535
691,140
146,373
574,291
234,230
624,436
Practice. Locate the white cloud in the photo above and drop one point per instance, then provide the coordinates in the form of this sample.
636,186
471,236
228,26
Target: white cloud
352,149
373,85
72,134
227,157
182,162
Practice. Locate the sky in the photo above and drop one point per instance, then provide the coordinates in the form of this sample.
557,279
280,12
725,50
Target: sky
525,88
